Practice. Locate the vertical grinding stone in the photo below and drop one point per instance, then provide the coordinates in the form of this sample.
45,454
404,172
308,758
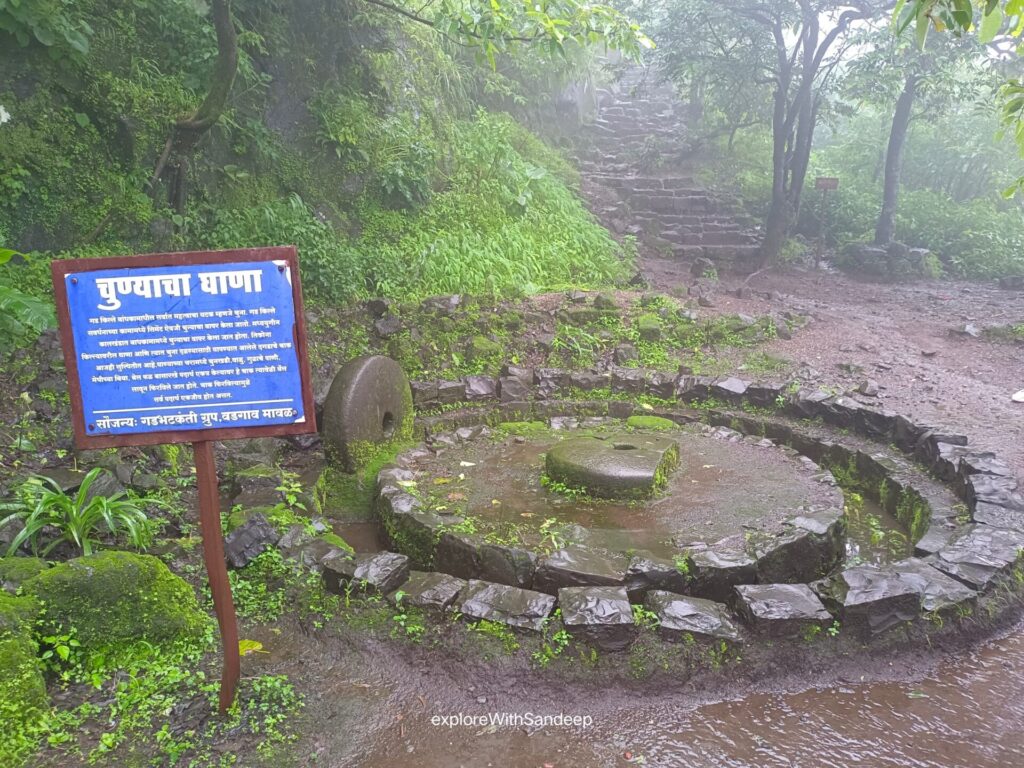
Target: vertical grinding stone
369,406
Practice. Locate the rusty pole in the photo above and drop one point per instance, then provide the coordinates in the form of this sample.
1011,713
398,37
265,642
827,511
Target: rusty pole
216,569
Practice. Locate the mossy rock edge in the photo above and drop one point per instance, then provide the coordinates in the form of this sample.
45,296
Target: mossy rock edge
115,598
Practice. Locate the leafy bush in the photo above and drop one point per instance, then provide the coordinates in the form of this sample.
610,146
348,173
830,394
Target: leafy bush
331,269
78,519
21,315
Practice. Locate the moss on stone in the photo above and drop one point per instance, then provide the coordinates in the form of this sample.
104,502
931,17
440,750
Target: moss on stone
114,598
641,421
481,348
334,539
14,571
23,700
523,428
649,327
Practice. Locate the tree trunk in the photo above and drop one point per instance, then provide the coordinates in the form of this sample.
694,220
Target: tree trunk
894,161
187,132
776,225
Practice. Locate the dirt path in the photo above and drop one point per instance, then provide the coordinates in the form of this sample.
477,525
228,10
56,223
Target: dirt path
903,336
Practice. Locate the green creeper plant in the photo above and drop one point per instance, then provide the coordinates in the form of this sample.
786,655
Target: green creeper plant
78,519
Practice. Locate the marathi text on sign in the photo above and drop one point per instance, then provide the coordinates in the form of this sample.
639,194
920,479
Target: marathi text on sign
185,347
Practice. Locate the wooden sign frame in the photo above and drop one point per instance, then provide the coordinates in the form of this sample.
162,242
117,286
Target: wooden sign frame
83,440
202,439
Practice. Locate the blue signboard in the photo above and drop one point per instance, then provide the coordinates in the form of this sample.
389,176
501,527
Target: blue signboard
183,348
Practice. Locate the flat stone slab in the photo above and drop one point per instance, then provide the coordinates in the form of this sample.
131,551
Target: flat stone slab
380,572
429,591
939,593
980,554
686,619
781,610
599,616
872,600
515,607
622,466
579,567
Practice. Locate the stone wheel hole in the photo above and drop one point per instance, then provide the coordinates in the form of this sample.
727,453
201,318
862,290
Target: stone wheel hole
624,446
387,425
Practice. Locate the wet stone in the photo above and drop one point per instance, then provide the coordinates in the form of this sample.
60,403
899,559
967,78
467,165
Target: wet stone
450,392
513,390
466,434
515,607
663,385
781,610
937,536
424,394
387,326
811,546
998,516
481,388
714,573
620,466
376,573
599,616
507,565
525,375
648,572
729,389
293,538
368,401
313,553
871,600
588,380
995,489
939,593
577,566
249,540
430,591
681,618
628,380
763,395
459,554
552,380
980,554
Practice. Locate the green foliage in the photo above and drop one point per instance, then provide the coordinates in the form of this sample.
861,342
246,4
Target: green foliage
114,599
259,588
500,222
22,315
51,23
500,632
78,520
645,619
23,699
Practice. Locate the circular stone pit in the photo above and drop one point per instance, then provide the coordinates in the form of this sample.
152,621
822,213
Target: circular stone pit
724,491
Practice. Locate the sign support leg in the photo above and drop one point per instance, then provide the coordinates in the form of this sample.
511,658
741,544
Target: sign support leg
216,569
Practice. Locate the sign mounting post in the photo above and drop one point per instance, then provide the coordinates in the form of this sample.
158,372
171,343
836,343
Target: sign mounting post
187,347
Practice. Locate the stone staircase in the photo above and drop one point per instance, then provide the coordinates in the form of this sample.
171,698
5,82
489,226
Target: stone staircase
638,177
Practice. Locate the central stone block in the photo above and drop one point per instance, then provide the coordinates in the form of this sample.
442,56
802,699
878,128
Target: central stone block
625,466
